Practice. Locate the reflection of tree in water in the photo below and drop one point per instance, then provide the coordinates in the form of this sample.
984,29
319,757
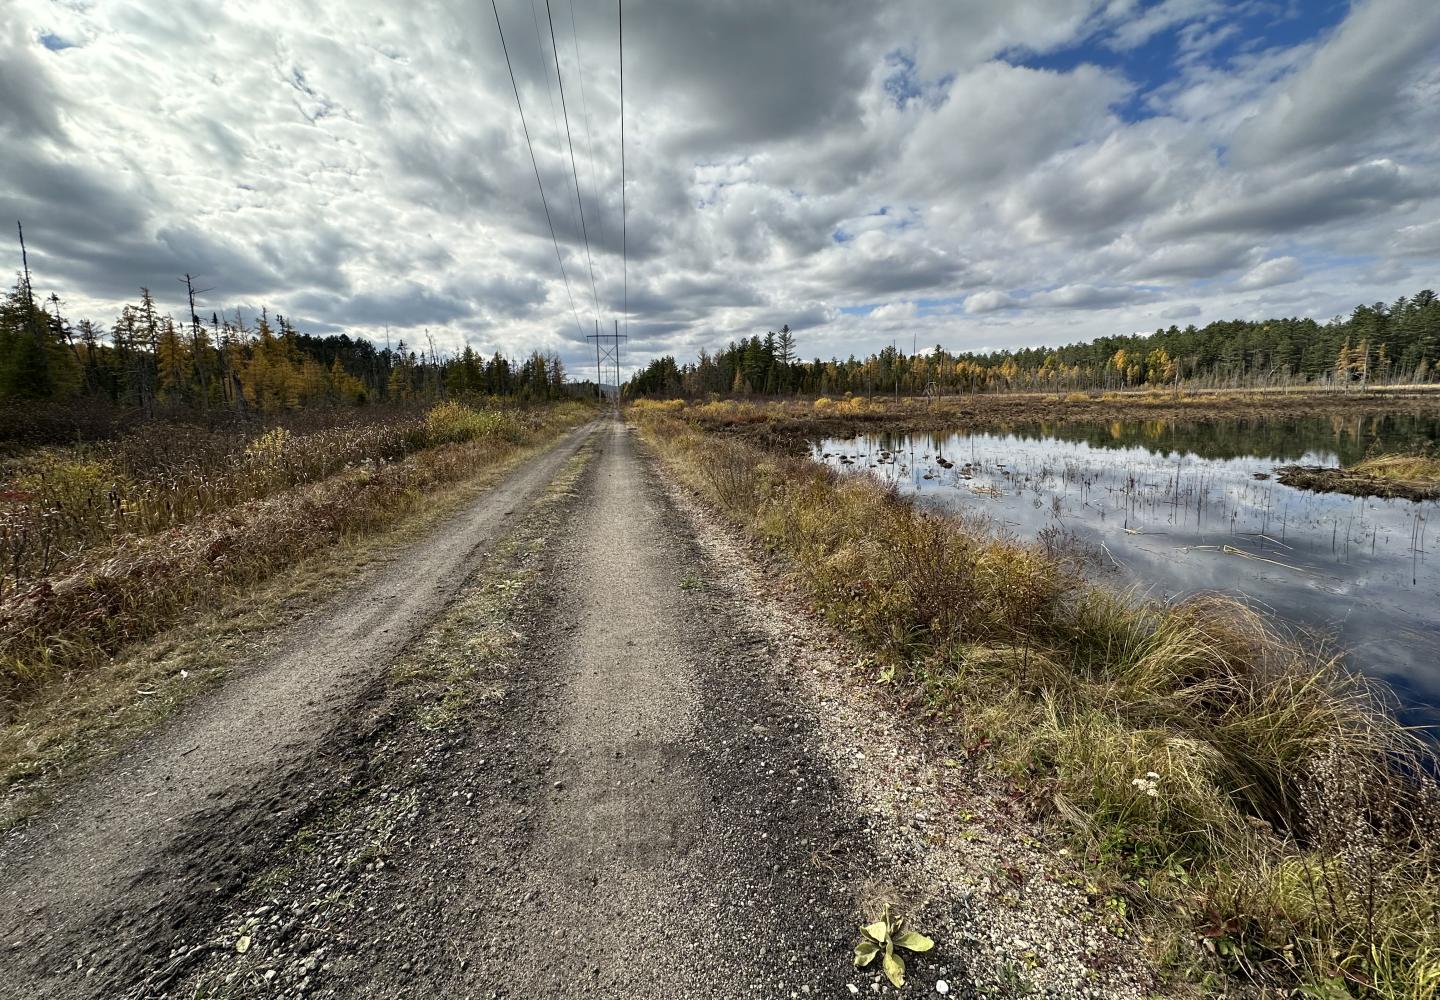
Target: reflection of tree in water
1350,438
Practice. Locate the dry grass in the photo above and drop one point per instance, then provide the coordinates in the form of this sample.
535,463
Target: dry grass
1402,468
1395,477
129,585
1257,802
198,621
57,505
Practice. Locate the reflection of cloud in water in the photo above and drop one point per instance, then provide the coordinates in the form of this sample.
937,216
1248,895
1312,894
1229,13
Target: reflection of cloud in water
1341,568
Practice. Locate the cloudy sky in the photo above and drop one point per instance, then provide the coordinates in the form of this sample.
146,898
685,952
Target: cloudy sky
980,174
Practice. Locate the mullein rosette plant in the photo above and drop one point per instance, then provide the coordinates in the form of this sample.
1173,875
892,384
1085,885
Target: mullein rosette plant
883,938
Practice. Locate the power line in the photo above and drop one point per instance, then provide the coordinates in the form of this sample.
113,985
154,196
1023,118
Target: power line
549,84
585,111
573,170
545,70
534,163
624,231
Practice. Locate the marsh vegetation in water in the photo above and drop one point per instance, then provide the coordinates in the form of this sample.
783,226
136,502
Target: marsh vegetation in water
1177,509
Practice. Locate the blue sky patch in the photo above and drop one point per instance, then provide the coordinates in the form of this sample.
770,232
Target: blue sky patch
54,42
1241,29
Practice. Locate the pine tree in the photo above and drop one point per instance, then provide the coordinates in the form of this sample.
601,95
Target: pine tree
556,377
172,363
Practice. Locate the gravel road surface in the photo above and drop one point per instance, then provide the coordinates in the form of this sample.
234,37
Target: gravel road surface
580,743
111,867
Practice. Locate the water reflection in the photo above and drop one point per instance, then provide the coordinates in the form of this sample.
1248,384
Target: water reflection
1183,508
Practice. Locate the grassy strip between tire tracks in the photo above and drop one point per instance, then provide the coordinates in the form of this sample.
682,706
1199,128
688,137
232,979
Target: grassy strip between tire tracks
1262,809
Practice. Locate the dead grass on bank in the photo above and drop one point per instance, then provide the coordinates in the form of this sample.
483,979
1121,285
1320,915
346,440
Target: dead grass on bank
791,423
1258,803
1405,468
1394,477
82,651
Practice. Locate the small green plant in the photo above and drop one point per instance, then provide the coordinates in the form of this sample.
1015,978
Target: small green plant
692,583
269,447
882,938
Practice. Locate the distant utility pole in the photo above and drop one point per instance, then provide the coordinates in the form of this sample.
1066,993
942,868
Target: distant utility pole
599,394
607,348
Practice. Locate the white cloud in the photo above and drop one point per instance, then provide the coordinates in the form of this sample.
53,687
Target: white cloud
894,311
1136,31
1275,271
1085,296
1349,88
859,172
989,301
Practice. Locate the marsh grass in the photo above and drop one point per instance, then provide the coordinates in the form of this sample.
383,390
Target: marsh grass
1255,800
1393,476
58,504
1404,468
171,543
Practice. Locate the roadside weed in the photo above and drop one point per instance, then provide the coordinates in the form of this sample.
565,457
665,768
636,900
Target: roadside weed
881,938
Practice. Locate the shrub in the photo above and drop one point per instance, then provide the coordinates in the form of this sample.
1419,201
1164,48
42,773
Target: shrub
268,448
658,405
455,423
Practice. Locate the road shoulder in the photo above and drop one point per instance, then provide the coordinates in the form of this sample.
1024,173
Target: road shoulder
954,844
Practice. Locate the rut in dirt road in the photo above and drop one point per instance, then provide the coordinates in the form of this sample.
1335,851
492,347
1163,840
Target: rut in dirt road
650,816
157,838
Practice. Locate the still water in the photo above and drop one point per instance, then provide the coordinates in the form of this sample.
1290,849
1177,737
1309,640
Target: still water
1178,509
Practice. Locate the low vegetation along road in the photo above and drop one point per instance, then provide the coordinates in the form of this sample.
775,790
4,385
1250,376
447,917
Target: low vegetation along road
576,741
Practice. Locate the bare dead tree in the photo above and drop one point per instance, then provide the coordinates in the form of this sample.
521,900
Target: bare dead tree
196,353
29,296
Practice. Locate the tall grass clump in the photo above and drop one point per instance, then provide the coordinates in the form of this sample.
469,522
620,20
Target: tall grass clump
101,546
658,405
1405,468
1258,803
456,423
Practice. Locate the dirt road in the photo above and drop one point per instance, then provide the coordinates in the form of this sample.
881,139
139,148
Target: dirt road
611,766
668,850
109,868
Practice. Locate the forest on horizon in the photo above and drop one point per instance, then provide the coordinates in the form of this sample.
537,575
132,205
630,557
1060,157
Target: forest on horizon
148,361
1381,342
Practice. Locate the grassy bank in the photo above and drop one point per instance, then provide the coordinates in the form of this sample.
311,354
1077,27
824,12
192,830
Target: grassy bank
1258,805
1407,477
790,423
211,520
57,505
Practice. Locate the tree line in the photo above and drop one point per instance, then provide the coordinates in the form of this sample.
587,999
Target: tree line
150,360
1390,343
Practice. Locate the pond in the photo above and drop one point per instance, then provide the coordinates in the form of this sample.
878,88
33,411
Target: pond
1177,509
